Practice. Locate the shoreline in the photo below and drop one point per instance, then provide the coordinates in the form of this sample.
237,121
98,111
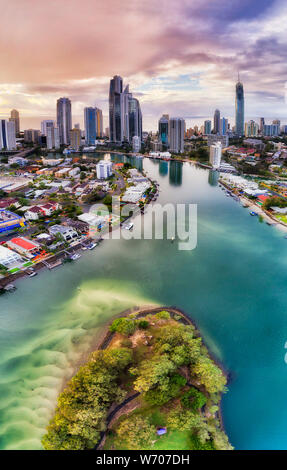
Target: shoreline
5,280
253,206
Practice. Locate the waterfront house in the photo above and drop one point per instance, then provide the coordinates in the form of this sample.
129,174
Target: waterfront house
9,258
24,246
68,233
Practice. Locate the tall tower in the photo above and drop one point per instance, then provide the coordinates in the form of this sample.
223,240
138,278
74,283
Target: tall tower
216,122
16,119
64,120
176,134
116,109
163,129
239,108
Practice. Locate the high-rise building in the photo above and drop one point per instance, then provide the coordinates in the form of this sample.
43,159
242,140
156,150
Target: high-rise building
239,109
53,137
7,135
124,113
14,116
136,143
116,110
176,134
207,127
216,122
93,118
90,126
45,124
76,138
262,123
32,136
223,126
163,129
271,130
215,155
104,169
251,129
134,119
99,122
64,119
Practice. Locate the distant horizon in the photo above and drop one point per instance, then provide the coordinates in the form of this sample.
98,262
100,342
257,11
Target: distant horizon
179,58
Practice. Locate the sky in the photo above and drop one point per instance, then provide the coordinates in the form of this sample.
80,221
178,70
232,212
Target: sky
180,57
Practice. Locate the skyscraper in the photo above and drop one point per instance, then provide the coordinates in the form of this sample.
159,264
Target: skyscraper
135,119
99,122
45,124
223,126
16,119
239,109
53,138
7,135
176,133
207,127
90,125
163,125
116,109
125,113
64,120
76,138
215,155
262,123
216,122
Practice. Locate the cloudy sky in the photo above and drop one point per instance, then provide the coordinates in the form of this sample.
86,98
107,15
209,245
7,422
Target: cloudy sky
179,56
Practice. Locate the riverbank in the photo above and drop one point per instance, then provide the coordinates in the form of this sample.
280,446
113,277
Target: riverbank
57,259
255,207
140,345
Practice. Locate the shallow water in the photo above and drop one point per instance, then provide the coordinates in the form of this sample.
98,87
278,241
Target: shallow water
233,285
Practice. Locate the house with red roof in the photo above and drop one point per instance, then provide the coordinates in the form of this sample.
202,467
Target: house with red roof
45,210
261,199
24,246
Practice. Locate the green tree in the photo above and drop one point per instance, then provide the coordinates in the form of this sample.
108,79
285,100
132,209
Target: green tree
137,432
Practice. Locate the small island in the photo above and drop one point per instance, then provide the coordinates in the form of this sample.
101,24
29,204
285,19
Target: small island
150,385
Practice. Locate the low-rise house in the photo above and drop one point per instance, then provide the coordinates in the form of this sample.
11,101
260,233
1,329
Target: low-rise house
67,232
33,213
44,210
7,202
80,226
24,246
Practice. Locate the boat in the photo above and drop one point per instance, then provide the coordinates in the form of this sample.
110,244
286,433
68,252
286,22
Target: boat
9,288
92,246
75,256
31,273
84,247
253,213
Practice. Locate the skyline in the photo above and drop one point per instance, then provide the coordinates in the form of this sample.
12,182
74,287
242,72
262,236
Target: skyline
184,60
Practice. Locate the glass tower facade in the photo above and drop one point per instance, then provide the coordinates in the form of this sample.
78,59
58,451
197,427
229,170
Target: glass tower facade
163,130
90,125
239,109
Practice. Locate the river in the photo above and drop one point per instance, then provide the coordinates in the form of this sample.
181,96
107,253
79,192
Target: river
233,284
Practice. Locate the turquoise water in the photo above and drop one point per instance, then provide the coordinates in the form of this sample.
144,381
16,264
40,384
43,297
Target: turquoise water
233,285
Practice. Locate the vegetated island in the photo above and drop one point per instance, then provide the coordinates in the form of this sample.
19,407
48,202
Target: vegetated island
151,385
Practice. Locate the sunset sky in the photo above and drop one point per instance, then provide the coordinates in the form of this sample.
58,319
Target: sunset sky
179,56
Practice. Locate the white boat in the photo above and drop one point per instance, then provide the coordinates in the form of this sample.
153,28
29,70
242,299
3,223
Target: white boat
33,274
92,246
75,256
